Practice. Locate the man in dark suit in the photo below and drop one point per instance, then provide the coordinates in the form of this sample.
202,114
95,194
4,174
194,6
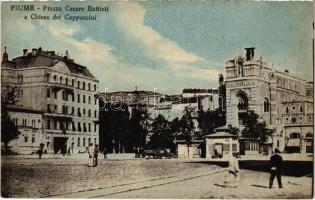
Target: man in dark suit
276,165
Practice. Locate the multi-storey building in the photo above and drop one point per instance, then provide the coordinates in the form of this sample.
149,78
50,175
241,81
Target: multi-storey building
281,99
65,93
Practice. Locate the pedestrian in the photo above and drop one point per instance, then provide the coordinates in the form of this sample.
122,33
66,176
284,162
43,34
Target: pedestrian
91,155
233,176
68,152
40,153
275,168
105,153
96,151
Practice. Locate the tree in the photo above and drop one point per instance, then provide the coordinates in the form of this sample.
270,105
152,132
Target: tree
209,120
8,129
139,125
255,129
175,127
186,126
233,130
161,137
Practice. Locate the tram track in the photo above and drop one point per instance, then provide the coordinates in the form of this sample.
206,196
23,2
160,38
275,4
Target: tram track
134,186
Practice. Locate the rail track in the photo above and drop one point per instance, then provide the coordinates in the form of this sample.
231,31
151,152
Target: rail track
102,192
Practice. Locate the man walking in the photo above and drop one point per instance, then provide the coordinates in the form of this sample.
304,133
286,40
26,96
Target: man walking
275,164
96,151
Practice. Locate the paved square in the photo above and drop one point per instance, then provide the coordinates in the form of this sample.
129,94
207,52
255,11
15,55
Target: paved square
136,178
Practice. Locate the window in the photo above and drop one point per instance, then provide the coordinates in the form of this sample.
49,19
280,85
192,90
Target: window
48,124
278,143
95,113
33,139
293,119
55,94
89,101
83,98
301,109
234,147
25,139
79,112
47,77
61,80
293,108
64,95
94,87
78,84
48,92
73,126
95,126
79,127
48,108
55,77
294,135
89,141
89,86
83,111
78,142
83,85
72,111
66,81
89,127
64,111
72,97
55,124
89,113
72,84
78,98
84,127
266,105
84,142
242,102
287,110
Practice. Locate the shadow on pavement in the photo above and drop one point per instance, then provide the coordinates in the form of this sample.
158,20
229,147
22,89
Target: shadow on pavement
290,168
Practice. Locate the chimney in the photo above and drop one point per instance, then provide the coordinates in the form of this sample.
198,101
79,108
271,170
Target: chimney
221,79
250,53
34,51
5,56
40,50
24,52
286,71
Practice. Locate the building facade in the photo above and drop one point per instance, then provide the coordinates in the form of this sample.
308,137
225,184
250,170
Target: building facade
282,100
65,93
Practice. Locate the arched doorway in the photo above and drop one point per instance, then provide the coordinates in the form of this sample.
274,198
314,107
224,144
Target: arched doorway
242,106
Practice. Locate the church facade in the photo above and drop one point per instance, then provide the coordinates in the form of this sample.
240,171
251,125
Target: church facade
282,100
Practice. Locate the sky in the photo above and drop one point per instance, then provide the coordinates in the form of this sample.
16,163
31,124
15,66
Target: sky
167,46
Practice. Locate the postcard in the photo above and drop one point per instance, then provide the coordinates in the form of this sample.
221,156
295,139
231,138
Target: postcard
157,99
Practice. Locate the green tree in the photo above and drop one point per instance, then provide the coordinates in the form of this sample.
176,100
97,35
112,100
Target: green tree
175,127
161,137
139,125
254,128
8,129
209,120
233,130
187,126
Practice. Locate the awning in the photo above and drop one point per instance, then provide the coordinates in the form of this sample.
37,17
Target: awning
293,143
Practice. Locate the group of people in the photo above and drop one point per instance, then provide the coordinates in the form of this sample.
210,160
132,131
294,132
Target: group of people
93,155
233,177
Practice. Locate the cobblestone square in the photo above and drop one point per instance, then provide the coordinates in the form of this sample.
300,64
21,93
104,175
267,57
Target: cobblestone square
136,178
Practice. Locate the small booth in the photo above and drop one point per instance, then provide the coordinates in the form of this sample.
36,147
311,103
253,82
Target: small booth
220,144
189,149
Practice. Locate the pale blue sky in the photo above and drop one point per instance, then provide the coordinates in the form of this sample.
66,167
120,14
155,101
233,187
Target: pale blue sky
169,45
